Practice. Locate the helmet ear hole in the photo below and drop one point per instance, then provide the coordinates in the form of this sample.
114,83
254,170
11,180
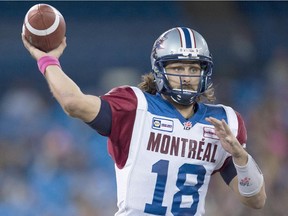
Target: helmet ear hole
203,65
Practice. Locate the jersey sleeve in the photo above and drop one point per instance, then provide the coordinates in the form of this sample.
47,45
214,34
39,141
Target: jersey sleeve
102,122
123,104
228,171
242,132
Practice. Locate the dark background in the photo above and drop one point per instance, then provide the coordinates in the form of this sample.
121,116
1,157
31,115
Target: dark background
51,164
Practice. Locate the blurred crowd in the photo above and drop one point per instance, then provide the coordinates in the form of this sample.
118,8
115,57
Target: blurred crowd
52,165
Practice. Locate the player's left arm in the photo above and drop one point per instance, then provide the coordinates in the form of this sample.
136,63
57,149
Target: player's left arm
249,182
256,201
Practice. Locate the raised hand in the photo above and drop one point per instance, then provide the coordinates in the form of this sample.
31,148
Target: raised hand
229,141
37,54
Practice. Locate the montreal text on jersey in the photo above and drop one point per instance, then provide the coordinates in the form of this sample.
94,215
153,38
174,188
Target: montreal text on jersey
183,147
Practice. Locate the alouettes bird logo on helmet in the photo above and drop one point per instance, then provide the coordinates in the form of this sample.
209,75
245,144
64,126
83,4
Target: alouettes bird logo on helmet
159,45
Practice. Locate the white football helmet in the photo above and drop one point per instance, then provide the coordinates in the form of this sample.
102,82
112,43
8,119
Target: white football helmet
181,44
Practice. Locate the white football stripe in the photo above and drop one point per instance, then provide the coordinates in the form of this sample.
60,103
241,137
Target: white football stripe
44,32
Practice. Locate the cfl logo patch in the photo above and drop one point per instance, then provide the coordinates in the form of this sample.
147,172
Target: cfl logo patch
187,125
245,182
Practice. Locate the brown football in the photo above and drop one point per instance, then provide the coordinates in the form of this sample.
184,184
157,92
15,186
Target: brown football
44,27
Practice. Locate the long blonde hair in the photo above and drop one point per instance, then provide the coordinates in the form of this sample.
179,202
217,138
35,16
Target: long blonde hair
148,85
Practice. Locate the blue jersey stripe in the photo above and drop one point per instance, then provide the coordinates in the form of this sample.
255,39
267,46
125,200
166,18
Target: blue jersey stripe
160,107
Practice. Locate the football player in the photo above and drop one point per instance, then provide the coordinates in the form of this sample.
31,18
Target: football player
164,136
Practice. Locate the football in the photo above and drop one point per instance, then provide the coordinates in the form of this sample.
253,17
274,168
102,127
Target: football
44,27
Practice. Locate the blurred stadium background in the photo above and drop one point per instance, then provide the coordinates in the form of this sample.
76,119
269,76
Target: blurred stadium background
52,165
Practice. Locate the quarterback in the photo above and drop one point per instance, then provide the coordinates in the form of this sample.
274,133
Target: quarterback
165,136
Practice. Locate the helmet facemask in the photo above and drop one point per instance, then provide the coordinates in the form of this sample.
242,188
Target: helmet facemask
182,95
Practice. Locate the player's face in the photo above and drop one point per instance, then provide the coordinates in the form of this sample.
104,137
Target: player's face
191,74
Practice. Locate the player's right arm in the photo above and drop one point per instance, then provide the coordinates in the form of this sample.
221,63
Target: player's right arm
70,97
73,101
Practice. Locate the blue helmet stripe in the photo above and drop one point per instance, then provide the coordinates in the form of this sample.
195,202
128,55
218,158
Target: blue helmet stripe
187,38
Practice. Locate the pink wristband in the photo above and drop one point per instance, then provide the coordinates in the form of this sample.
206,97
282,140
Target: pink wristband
45,61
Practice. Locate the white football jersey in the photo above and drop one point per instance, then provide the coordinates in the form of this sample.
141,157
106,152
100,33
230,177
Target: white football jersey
164,164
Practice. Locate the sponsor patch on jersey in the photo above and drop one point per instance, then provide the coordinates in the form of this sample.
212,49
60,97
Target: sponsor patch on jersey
162,124
209,132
